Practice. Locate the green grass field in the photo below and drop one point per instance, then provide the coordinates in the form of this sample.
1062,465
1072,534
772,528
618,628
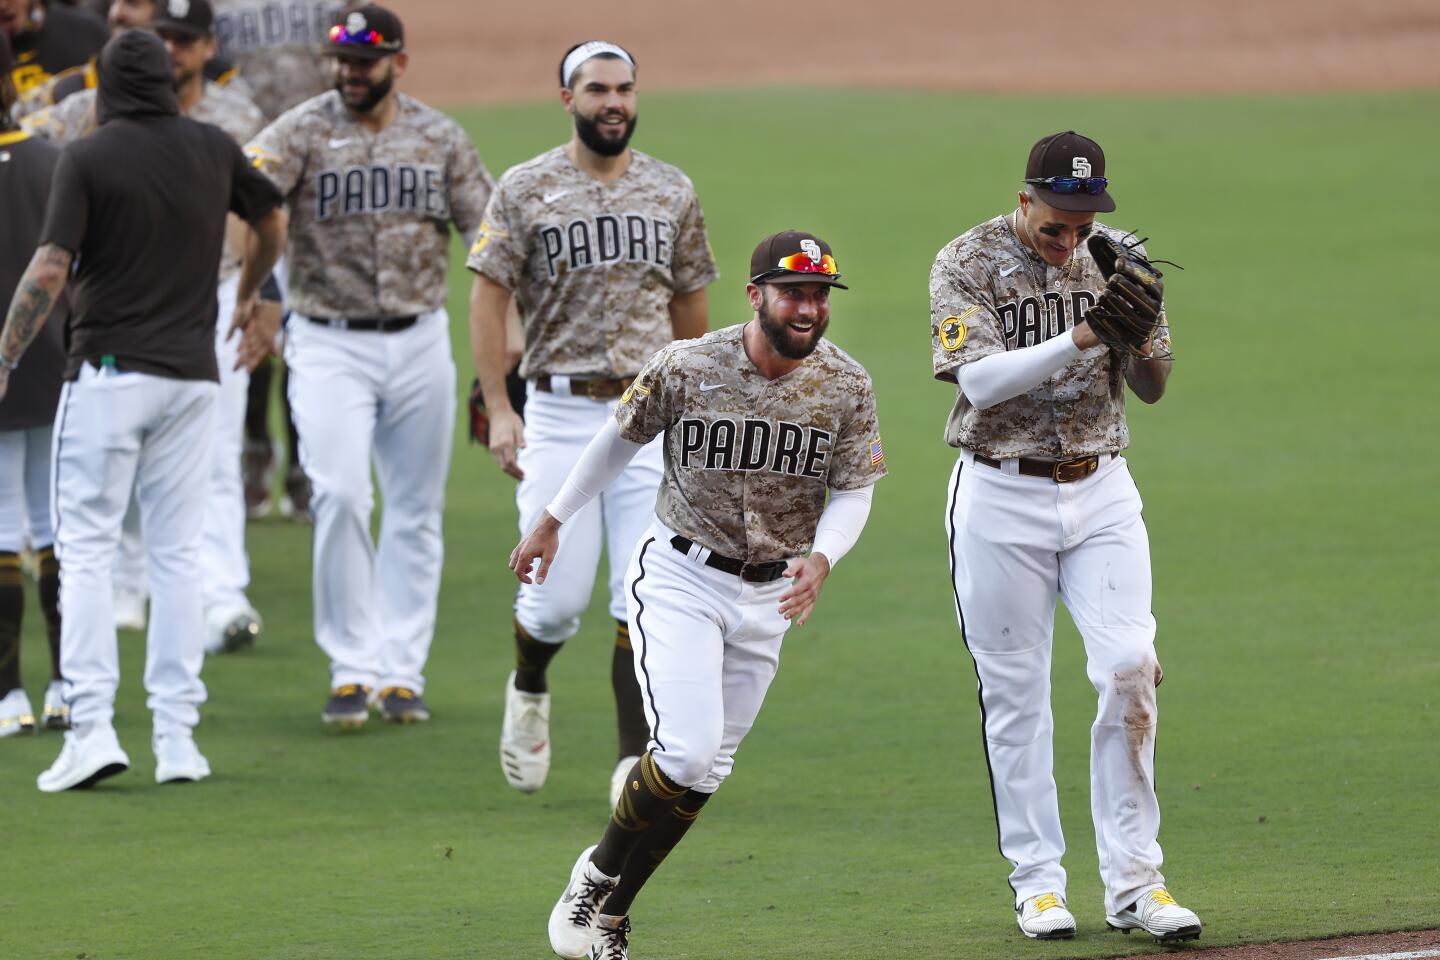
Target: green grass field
1289,481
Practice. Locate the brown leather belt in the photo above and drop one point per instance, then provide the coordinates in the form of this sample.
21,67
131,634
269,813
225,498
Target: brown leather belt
752,572
1061,471
594,389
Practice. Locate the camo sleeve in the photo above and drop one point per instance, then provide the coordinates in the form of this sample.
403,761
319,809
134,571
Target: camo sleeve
470,185
499,250
964,324
694,264
280,152
649,406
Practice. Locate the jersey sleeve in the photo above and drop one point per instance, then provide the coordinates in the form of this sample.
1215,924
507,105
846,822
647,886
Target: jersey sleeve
499,250
279,151
470,185
648,407
964,324
693,266
858,458
67,212
252,195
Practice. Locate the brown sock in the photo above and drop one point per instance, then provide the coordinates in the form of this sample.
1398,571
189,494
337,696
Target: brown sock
630,719
531,659
50,604
647,799
12,608
654,846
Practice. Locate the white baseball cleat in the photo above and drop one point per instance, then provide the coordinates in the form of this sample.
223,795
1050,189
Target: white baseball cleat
177,759
525,739
576,916
617,778
129,610
1044,917
57,711
612,939
1157,913
16,714
90,755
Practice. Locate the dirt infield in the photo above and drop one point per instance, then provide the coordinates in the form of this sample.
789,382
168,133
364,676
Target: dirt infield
480,52
1414,944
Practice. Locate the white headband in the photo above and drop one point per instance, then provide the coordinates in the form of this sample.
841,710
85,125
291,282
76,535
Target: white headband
587,50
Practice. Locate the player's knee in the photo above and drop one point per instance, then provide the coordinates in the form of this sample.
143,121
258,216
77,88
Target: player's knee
689,763
1127,691
344,501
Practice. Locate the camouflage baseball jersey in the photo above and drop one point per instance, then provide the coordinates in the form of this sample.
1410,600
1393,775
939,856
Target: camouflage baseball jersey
74,117
593,265
748,460
988,293
370,213
276,45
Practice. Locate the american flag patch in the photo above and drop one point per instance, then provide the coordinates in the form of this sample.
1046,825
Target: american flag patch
877,453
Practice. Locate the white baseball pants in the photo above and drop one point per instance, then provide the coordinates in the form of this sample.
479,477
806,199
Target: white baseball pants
115,431
363,398
1015,543
558,427
25,488
707,645
224,567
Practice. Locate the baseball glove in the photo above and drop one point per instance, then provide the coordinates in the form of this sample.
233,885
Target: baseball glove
1128,311
479,419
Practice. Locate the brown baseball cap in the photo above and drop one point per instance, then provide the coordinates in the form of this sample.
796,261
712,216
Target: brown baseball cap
368,32
794,256
193,18
1074,163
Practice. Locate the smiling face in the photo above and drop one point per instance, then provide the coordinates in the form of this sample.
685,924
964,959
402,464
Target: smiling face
793,316
188,54
1054,234
601,97
364,82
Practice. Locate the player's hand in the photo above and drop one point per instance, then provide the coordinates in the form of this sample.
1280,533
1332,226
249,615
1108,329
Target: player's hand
240,317
261,331
539,544
507,436
808,575
1085,337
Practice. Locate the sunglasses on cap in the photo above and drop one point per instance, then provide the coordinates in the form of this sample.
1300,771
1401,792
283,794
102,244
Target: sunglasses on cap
801,263
1090,185
364,38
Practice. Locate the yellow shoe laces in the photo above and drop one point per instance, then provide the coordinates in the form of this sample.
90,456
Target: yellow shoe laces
1046,901
1163,898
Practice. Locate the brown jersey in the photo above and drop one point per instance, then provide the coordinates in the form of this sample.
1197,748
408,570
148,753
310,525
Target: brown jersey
747,459
593,265
276,46
989,293
370,213
74,117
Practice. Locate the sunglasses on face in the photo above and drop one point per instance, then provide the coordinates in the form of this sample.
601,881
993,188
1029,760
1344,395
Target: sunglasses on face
365,38
1090,185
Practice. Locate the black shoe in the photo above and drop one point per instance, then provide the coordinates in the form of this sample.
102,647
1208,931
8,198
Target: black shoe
403,705
348,707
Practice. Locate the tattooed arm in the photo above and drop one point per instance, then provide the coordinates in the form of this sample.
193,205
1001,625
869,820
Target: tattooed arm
35,298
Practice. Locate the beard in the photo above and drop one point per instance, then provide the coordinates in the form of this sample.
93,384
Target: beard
183,80
375,91
589,131
788,343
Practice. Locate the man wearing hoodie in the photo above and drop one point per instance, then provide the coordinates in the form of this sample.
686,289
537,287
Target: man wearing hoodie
141,205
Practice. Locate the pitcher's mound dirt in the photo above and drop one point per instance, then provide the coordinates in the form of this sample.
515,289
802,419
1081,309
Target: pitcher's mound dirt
1425,942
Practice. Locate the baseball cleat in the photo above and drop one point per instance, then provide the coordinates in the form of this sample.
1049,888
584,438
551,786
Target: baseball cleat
177,759
56,715
617,778
16,714
612,939
229,633
129,610
1157,913
348,707
1044,917
257,471
403,705
525,740
576,916
89,756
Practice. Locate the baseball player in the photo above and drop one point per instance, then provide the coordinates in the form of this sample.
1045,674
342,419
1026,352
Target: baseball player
27,414
140,205
187,28
374,179
47,39
1041,502
604,249
760,422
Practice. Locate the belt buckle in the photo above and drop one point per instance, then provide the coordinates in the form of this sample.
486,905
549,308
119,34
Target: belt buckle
1068,471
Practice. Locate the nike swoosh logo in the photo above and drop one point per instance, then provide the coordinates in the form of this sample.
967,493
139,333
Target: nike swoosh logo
707,387
552,197
339,143
1006,273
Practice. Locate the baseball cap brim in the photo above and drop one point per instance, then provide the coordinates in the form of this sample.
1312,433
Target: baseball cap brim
358,50
796,276
176,26
1077,202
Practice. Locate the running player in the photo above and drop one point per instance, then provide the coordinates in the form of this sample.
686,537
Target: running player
761,421
604,249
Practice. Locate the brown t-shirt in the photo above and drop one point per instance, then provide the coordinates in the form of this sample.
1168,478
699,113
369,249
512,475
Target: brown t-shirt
990,293
748,459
